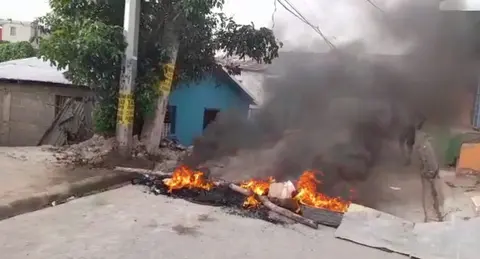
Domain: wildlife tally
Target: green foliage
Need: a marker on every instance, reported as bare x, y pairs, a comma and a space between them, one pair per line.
103, 115
87, 39
16, 50
90, 44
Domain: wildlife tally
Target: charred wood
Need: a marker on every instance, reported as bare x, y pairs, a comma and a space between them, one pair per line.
284, 212
141, 171
227, 193
323, 217
239, 189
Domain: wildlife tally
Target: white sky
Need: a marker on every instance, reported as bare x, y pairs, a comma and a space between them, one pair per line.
340, 20
23, 10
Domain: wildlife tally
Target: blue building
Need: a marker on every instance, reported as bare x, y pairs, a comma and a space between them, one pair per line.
194, 105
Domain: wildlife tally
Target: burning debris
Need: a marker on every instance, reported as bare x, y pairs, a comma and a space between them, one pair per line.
304, 193
183, 177
351, 105
254, 196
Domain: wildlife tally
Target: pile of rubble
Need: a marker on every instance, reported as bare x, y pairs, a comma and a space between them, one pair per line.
95, 150
92, 151
171, 153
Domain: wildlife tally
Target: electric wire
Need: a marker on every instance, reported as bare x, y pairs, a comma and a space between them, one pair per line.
288, 6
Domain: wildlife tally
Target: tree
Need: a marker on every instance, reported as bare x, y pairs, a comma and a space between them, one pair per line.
16, 50
86, 38
38, 32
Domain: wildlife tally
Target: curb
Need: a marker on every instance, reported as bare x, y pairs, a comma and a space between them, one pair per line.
61, 193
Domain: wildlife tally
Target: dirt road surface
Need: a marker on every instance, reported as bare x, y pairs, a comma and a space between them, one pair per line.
27, 170
128, 223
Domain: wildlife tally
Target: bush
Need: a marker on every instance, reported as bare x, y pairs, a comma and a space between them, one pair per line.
16, 50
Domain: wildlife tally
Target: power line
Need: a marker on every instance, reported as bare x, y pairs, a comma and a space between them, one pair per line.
273, 14
375, 5
302, 18
315, 28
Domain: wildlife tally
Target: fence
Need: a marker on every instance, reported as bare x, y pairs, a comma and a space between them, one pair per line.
72, 123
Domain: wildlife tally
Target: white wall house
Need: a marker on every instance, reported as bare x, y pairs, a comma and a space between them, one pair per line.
15, 31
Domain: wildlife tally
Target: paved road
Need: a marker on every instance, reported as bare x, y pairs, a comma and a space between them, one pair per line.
127, 223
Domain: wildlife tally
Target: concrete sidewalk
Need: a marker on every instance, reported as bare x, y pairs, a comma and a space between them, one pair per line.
32, 179
459, 192
128, 223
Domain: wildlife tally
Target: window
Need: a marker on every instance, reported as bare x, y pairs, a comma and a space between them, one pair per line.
169, 121
209, 116
13, 31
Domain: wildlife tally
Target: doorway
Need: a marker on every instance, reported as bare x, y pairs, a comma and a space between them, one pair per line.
209, 115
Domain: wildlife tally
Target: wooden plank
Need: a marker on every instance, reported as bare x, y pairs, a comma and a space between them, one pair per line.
287, 213
323, 217
88, 113
51, 134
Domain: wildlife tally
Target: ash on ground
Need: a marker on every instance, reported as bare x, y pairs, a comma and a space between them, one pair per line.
222, 196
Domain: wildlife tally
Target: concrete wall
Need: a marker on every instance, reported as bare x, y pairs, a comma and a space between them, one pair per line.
24, 31
27, 110
191, 101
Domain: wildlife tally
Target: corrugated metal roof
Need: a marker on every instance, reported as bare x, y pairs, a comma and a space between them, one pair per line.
32, 69
36, 70
244, 65
252, 84
251, 78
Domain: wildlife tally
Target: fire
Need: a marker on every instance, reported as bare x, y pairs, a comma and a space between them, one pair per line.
257, 187
184, 177
306, 189
307, 194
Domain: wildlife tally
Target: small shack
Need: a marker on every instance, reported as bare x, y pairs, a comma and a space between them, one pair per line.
40, 106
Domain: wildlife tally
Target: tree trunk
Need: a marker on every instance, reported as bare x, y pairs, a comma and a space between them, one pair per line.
152, 130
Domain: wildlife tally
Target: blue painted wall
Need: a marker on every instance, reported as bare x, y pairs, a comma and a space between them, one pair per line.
191, 100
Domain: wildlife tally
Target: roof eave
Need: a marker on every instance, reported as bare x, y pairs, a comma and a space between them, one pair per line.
239, 84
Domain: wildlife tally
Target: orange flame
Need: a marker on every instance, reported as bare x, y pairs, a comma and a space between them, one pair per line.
184, 177
257, 187
307, 194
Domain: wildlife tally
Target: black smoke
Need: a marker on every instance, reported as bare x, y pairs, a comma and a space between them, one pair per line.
339, 111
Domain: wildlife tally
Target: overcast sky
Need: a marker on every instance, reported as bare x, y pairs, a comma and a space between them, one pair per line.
340, 20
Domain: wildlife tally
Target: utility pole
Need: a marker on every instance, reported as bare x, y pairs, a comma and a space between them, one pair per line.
128, 75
